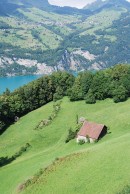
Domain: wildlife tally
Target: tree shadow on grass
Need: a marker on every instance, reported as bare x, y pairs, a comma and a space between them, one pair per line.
6, 160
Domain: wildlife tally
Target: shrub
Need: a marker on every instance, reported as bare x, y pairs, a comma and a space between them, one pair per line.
56, 97
45, 122
90, 98
72, 134
88, 139
59, 94
119, 94
77, 119
81, 142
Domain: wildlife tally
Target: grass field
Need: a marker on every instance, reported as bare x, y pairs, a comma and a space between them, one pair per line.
100, 21
101, 168
49, 27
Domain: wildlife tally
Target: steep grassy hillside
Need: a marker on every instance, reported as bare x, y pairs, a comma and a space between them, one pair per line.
99, 168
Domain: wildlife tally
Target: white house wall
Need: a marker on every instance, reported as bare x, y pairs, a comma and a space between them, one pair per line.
82, 138
85, 139
92, 140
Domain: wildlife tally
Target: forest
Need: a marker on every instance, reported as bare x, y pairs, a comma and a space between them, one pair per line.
89, 86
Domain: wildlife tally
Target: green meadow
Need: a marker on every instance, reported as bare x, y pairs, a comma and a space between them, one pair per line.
100, 168
100, 21
50, 28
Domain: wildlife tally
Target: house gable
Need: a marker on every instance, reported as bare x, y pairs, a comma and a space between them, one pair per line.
91, 130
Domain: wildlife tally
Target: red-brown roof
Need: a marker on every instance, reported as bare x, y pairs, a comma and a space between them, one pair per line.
90, 129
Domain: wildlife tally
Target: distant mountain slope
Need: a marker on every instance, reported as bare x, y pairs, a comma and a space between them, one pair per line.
39, 38
101, 4
31, 3
7, 8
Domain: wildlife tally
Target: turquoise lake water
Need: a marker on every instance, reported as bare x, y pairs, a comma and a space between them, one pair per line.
14, 82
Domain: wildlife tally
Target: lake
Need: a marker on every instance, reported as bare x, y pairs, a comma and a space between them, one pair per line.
14, 82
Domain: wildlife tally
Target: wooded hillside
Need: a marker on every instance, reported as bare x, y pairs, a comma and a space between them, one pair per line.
91, 86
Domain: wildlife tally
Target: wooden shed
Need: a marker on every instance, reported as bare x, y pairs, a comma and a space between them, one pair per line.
91, 132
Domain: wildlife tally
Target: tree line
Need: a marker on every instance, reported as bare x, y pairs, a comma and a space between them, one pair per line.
110, 83
89, 86
33, 96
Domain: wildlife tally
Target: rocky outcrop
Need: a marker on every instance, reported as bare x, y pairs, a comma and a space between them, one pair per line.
75, 61
78, 60
14, 66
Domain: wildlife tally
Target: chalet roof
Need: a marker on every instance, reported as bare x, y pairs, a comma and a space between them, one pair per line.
90, 129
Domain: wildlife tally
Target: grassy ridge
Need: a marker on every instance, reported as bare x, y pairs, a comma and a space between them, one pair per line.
97, 170
102, 168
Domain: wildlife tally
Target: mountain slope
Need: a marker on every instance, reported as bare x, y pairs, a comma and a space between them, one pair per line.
39, 38
106, 162
101, 4
92, 171
7, 8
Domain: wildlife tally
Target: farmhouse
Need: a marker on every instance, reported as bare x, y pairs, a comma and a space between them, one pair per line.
91, 132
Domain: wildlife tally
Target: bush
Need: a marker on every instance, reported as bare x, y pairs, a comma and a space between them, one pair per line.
57, 96
90, 98
81, 142
119, 94
45, 122
71, 135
